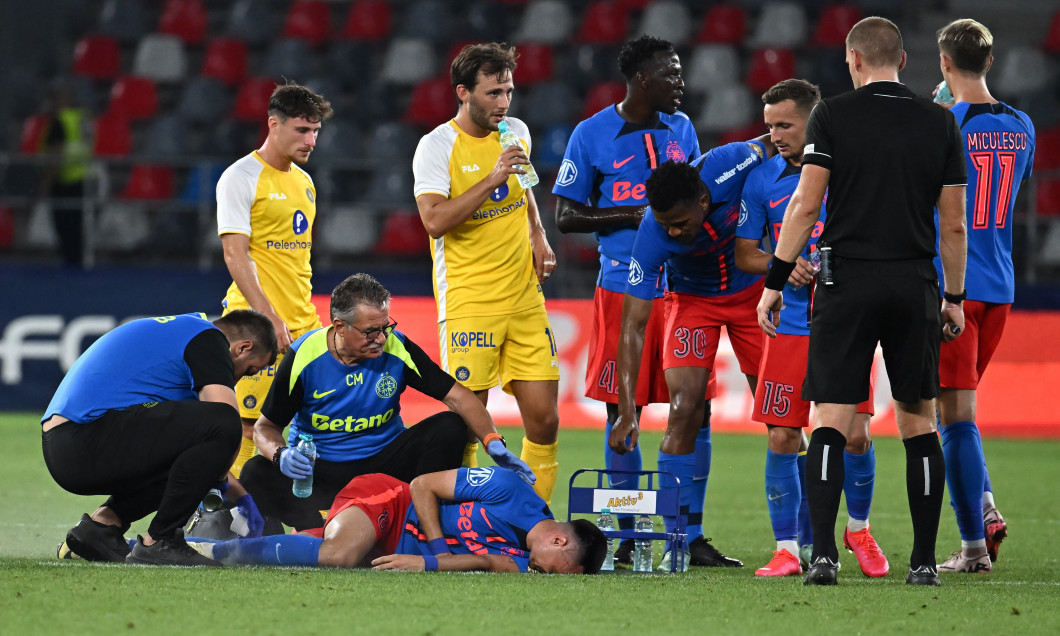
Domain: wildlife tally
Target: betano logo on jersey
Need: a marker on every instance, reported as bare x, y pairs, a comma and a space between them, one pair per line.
622, 190
350, 423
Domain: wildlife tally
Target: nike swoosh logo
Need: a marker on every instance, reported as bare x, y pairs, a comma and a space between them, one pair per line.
619, 164
864, 484
774, 204
318, 394
775, 497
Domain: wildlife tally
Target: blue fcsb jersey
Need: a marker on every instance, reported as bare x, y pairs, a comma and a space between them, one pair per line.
606, 164
765, 198
139, 362
999, 153
492, 511
707, 266
352, 411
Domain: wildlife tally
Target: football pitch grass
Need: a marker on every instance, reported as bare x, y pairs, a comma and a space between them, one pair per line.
41, 595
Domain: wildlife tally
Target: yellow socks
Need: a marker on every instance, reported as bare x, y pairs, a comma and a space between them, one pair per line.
246, 451
470, 455
542, 460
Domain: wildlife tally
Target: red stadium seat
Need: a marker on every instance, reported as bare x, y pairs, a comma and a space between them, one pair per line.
750, 131
185, 19
635, 5
149, 182
1048, 198
134, 97
403, 235
309, 20
769, 66
431, 102
1047, 150
834, 24
252, 100
226, 59
601, 96
98, 57
603, 23
535, 63
32, 135
1052, 39
367, 20
113, 136
723, 23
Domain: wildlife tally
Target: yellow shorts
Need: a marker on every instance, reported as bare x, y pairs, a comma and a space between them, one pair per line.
481, 352
251, 390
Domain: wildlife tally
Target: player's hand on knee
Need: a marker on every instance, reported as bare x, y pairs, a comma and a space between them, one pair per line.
505, 459
249, 510
294, 464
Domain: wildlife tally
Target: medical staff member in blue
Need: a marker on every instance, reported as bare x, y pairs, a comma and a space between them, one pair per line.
342, 384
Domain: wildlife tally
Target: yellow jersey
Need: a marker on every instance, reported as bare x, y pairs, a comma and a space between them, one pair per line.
484, 266
276, 210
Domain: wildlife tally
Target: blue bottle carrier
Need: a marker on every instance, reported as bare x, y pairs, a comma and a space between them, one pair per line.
653, 501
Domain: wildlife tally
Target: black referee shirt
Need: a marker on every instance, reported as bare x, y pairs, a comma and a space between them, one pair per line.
890, 153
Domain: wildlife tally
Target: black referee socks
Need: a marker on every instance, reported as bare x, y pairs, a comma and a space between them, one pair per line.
925, 474
824, 487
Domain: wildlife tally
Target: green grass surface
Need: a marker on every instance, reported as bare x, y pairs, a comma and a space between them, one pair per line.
41, 595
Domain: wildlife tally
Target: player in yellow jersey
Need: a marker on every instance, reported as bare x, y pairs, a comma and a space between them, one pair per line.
266, 206
490, 253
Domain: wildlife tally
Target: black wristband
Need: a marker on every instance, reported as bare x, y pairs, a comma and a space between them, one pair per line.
276, 456
955, 299
778, 274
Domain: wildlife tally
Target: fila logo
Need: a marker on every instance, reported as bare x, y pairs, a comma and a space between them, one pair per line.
277, 195
472, 168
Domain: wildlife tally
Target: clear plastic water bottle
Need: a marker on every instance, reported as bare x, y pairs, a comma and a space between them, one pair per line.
304, 487
606, 522
943, 94
508, 138
642, 558
815, 261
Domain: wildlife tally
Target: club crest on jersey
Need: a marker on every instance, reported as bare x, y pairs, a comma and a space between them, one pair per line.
250, 402
674, 152
462, 374
500, 193
636, 273
300, 222
309, 195
386, 386
383, 521
567, 174
478, 476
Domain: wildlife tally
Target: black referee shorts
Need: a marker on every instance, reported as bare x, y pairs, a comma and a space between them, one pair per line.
893, 303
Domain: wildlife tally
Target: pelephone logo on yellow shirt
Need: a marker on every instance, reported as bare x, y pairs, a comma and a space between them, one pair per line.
498, 195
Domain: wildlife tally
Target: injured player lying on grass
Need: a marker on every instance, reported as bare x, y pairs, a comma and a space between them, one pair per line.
457, 520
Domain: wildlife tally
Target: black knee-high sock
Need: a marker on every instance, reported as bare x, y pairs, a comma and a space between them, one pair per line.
824, 487
925, 475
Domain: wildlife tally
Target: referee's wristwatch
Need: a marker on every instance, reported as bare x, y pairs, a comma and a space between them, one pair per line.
955, 299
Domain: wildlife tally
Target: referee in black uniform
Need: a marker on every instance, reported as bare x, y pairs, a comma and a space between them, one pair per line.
886, 157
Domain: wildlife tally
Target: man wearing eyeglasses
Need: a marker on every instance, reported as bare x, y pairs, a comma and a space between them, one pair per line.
342, 384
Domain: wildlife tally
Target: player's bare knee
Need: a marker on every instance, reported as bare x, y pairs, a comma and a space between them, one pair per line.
784, 439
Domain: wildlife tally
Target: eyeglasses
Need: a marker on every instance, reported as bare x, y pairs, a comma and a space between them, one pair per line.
370, 334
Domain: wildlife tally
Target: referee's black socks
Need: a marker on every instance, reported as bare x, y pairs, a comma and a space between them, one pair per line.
925, 474
824, 487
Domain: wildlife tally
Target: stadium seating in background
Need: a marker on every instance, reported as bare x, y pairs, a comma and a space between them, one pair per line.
290, 58
549, 146
168, 137
160, 57
727, 108
149, 182
432, 102
308, 20
545, 104
535, 63
769, 66
834, 23
347, 61
603, 23
339, 139
1051, 44
780, 25
225, 59
712, 66
392, 143
124, 20
97, 57
602, 95
367, 20
1023, 70
667, 19
253, 21
426, 19
545, 22
113, 136
1048, 197
408, 61
202, 183
723, 24
754, 129
185, 19
252, 100
403, 235
134, 97
351, 229
32, 134
1047, 150
205, 99
390, 185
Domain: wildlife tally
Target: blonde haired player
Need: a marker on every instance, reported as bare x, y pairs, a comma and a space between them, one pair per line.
490, 253
266, 206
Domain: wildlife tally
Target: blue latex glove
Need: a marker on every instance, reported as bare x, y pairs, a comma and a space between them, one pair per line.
294, 464
249, 509
505, 459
